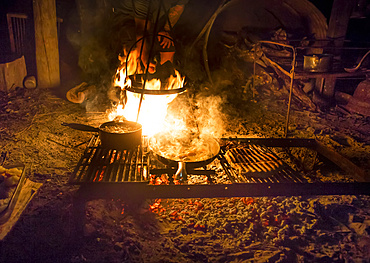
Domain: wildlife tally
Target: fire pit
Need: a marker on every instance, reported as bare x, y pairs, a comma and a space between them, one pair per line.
138, 175
185, 151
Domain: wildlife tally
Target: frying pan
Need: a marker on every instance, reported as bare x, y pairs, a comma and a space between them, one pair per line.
196, 160
112, 139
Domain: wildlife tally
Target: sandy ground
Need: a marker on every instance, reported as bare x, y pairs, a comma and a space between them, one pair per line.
265, 229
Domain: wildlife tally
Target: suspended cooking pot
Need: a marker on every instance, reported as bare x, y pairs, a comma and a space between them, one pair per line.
137, 86
183, 153
119, 135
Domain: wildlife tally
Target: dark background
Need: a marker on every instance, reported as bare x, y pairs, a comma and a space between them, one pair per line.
196, 14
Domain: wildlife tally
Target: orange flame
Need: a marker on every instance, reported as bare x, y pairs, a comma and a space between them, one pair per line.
153, 109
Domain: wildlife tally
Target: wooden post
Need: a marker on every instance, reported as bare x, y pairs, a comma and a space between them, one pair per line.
87, 18
46, 42
338, 24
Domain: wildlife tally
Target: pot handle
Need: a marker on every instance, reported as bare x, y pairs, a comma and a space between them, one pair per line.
81, 127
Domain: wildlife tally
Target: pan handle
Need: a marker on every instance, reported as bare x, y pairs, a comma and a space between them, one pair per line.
81, 127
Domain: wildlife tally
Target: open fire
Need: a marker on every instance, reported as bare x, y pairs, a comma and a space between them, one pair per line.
150, 110
179, 134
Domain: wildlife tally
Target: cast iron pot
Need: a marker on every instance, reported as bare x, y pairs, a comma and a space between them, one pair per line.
114, 140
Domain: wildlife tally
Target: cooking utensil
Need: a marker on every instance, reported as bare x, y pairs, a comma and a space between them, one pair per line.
198, 159
318, 62
114, 135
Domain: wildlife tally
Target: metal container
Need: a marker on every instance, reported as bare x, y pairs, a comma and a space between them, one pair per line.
318, 63
114, 140
121, 140
29, 82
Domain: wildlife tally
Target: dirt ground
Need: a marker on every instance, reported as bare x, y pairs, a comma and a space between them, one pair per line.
265, 229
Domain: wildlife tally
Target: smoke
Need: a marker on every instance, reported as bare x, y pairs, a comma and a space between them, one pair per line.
209, 115
190, 125
200, 115
101, 98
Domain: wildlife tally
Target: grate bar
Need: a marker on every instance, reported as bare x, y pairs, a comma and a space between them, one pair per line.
92, 168
100, 165
252, 155
137, 170
83, 163
110, 159
107, 165
116, 167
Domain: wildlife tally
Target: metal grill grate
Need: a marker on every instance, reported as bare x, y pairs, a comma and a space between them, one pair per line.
254, 154
107, 165
99, 165
106, 173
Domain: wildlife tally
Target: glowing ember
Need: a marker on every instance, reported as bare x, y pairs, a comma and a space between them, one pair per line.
153, 108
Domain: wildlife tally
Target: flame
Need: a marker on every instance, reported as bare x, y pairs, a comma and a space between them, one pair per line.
153, 110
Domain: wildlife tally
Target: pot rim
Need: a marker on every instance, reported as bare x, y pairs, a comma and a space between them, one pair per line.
111, 123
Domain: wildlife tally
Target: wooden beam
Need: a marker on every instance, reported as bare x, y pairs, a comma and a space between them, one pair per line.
46, 42
340, 14
338, 24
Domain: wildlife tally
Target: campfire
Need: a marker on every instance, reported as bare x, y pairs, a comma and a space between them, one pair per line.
139, 105
177, 141
200, 182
